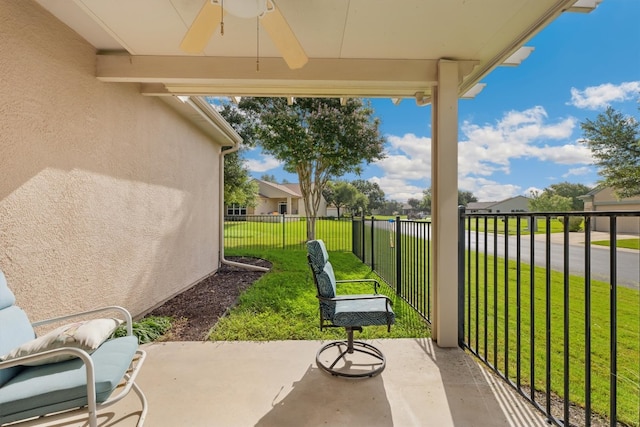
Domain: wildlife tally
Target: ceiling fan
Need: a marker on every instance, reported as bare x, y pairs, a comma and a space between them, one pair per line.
211, 16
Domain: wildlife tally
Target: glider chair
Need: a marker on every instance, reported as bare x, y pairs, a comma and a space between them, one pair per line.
74, 367
355, 359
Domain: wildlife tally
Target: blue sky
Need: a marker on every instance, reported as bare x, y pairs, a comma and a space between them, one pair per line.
521, 132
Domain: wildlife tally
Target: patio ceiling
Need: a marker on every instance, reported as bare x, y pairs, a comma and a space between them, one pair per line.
356, 48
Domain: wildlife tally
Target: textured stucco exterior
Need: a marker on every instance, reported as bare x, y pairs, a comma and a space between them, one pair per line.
603, 199
107, 197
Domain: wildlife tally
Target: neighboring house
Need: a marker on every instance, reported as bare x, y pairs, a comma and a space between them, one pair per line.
277, 199
512, 204
107, 196
603, 199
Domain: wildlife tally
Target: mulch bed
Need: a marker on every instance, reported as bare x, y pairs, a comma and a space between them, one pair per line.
197, 309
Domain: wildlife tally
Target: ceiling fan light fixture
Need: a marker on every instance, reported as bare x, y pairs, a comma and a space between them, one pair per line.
245, 8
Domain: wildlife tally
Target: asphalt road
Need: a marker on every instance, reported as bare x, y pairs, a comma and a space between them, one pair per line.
627, 261
627, 266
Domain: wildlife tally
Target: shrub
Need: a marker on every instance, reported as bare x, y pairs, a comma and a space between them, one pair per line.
575, 223
148, 329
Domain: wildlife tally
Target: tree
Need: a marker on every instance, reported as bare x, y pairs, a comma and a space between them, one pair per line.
391, 207
548, 202
316, 138
572, 191
373, 192
340, 194
359, 203
425, 203
239, 188
414, 203
614, 141
269, 178
466, 197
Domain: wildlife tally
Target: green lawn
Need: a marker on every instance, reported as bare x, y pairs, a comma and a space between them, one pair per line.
621, 243
506, 339
282, 304
292, 233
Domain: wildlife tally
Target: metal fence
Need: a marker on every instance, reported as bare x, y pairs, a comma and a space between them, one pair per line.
557, 317
284, 232
399, 251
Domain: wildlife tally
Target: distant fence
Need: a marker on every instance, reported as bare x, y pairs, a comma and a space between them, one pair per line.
399, 251
285, 232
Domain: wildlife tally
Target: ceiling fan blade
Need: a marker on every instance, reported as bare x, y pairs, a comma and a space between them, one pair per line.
202, 28
284, 39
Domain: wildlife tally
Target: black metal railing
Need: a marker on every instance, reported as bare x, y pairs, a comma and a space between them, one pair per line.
399, 251
285, 232
557, 317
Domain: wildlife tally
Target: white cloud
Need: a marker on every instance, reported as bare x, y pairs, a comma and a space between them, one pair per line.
483, 151
487, 149
263, 164
584, 170
487, 190
534, 190
408, 157
596, 97
398, 189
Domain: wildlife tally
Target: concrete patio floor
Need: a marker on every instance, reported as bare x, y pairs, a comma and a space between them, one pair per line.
277, 383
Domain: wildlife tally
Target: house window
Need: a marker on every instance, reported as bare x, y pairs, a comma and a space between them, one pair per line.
236, 209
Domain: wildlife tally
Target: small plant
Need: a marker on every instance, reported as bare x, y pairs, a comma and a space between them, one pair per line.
148, 329
575, 223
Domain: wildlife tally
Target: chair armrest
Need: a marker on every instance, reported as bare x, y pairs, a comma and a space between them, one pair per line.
34, 357
376, 284
122, 310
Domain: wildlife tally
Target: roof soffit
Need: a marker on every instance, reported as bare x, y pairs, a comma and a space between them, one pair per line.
368, 48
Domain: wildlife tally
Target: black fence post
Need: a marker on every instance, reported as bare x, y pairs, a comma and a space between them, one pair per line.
373, 267
398, 257
613, 321
363, 244
284, 239
461, 296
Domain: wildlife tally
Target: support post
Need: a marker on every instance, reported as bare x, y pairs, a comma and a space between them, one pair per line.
444, 179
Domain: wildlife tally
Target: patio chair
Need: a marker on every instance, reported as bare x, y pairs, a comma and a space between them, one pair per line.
75, 367
351, 312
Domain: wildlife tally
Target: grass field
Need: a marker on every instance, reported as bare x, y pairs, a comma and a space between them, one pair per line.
621, 243
526, 306
282, 304
272, 232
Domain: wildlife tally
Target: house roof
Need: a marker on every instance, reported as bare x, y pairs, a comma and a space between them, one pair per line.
487, 205
356, 48
480, 205
287, 190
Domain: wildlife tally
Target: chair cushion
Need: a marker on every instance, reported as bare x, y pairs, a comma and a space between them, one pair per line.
326, 282
7, 299
362, 312
87, 335
39, 390
318, 255
15, 330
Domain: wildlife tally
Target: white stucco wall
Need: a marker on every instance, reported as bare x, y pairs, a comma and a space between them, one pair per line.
106, 196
